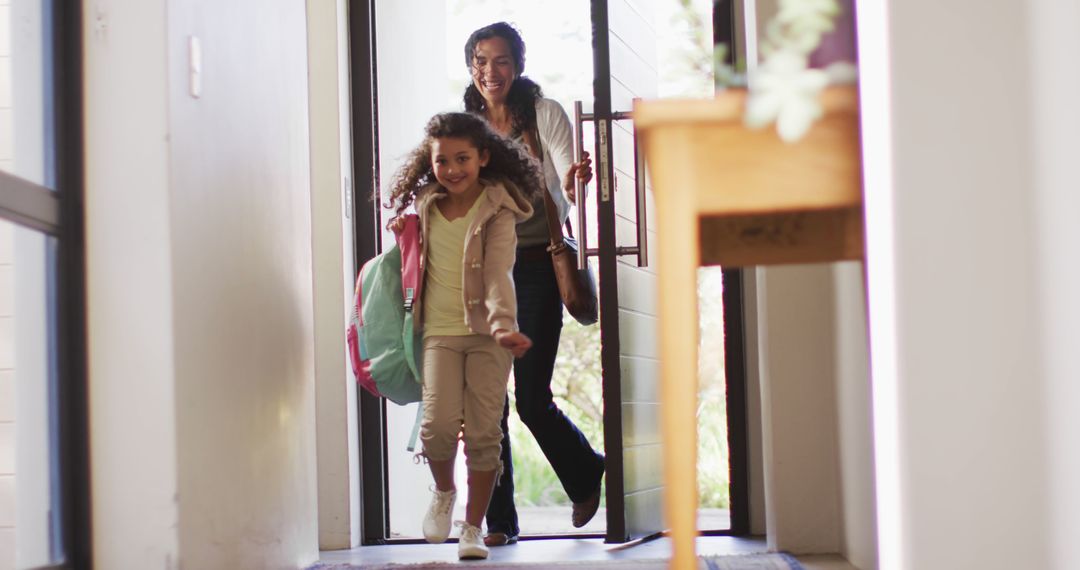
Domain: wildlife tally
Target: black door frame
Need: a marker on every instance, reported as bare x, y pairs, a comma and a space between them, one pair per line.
375, 524
724, 23
374, 474
607, 265
733, 302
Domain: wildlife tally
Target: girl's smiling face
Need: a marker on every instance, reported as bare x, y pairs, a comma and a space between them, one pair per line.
493, 69
457, 163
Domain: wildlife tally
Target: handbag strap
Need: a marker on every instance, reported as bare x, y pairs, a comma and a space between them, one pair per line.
554, 232
550, 210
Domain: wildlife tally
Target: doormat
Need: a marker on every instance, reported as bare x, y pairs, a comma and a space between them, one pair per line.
770, 561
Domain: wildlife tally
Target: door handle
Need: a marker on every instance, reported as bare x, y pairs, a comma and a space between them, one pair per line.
579, 186
641, 249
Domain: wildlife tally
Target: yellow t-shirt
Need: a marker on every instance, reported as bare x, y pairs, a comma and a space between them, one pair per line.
444, 310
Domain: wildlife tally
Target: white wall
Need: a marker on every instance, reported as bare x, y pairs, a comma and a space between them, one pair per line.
984, 281
240, 214
796, 321
754, 429
1054, 29
815, 397
858, 508
332, 257
199, 286
807, 344
133, 432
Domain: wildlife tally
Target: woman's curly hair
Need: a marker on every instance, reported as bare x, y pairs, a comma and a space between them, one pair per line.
508, 161
521, 99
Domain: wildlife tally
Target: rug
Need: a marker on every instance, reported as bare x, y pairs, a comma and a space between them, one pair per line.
771, 561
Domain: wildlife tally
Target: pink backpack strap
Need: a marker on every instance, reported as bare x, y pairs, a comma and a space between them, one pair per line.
409, 242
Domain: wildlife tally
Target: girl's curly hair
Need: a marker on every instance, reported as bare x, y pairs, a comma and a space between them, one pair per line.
508, 161
521, 99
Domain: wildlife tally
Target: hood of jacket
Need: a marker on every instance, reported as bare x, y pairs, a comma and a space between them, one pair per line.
500, 193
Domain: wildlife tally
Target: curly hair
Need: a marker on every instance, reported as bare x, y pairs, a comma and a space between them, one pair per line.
521, 99
508, 161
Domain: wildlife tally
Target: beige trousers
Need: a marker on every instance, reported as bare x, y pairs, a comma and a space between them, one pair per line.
465, 381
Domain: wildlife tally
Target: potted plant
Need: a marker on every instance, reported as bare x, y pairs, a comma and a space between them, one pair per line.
787, 194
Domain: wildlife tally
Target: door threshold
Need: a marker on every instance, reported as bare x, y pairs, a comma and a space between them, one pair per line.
539, 551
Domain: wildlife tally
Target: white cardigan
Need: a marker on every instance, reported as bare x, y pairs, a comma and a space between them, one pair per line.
557, 140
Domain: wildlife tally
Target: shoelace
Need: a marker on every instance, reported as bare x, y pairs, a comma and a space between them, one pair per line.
442, 502
468, 529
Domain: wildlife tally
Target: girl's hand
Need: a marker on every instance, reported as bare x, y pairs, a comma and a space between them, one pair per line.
517, 343
581, 170
398, 224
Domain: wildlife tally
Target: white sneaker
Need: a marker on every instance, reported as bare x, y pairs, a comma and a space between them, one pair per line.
470, 544
437, 520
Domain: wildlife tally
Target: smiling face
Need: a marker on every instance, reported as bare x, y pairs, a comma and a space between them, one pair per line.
493, 69
457, 163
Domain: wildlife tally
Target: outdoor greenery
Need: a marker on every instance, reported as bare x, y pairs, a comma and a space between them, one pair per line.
578, 392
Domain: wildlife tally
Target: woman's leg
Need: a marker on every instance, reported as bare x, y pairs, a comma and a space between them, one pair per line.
540, 314
501, 514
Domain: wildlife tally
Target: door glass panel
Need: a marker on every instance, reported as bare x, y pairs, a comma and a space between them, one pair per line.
686, 70
714, 510
559, 57
29, 471
22, 100
29, 514
684, 49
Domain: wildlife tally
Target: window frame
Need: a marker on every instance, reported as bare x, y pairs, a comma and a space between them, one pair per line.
55, 209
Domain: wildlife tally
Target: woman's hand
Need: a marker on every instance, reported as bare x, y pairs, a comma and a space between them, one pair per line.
517, 343
581, 170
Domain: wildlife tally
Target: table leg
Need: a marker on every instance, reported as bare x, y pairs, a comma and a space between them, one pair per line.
677, 263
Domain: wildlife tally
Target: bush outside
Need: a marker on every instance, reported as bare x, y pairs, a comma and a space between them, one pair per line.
578, 393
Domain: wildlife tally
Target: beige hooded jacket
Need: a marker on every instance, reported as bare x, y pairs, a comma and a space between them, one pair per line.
489, 254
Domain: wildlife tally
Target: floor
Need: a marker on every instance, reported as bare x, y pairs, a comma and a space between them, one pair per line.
556, 520
584, 549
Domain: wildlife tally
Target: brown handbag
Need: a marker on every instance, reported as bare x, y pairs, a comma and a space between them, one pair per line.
576, 286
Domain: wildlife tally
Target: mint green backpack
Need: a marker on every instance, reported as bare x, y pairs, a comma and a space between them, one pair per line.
384, 345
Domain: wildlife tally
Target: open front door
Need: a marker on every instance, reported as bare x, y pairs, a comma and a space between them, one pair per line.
624, 55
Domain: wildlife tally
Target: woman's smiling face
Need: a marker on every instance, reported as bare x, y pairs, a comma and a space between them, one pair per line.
457, 163
493, 69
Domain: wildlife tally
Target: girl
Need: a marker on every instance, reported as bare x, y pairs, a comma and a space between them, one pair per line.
469, 187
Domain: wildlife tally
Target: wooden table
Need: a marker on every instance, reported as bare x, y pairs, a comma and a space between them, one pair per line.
744, 197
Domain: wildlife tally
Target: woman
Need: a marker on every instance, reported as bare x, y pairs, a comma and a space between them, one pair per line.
515, 106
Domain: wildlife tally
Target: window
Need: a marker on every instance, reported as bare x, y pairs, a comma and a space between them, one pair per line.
44, 515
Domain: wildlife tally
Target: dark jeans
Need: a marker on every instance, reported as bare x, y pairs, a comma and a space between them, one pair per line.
578, 467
